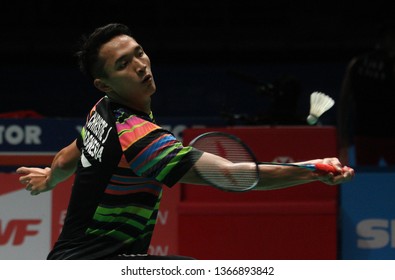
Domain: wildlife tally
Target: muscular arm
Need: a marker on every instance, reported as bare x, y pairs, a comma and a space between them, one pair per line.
271, 176
64, 164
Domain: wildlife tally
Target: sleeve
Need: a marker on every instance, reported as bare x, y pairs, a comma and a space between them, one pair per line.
80, 139
81, 135
153, 152
188, 160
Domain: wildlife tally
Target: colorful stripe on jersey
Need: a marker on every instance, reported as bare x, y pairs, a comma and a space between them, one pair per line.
139, 128
125, 223
149, 151
125, 185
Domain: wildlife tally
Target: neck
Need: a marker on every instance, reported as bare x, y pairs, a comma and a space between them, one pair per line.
144, 107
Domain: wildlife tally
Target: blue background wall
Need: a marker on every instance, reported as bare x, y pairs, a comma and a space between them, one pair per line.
367, 216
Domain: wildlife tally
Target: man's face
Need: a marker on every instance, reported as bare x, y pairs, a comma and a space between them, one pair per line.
127, 70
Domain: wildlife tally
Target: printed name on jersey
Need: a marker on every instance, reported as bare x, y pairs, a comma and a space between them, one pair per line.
95, 130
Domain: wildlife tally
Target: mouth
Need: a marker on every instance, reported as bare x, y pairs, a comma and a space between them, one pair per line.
146, 79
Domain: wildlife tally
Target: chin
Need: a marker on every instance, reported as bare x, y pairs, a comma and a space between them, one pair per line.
153, 89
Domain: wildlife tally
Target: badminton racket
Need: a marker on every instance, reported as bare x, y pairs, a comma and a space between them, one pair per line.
238, 178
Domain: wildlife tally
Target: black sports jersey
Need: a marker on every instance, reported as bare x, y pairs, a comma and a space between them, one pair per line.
125, 160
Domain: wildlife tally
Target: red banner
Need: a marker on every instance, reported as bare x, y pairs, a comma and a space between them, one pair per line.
294, 223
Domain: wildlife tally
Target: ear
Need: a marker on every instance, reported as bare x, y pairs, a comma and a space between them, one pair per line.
102, 86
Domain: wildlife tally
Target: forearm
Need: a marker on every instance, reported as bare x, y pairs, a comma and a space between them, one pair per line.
60, 170
279, 176
63, 165
272, 177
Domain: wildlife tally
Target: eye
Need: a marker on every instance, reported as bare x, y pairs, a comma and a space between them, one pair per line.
140, 51
123, 64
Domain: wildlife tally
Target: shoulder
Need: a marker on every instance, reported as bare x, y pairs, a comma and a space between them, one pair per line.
124, 117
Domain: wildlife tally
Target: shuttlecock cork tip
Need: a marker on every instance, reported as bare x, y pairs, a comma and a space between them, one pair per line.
311, 120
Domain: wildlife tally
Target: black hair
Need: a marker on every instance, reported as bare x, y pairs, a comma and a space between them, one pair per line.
89, 51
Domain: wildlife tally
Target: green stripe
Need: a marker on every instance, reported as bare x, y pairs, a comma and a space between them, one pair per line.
153, 221
173, 163
111, 219
113, 233
132, 128
145, 234
121, 117
83, 132
124, 119
158, 158
158, 201
129, 209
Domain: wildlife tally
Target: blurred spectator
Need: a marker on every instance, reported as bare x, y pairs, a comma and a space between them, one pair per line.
365, 112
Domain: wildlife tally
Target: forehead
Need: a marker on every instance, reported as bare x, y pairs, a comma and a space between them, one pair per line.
117, 47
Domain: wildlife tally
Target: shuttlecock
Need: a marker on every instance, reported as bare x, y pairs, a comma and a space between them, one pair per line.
319, 104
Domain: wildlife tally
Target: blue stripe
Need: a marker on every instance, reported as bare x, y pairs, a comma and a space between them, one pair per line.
152, 149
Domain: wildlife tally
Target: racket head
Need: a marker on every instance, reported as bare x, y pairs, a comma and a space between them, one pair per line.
241, 177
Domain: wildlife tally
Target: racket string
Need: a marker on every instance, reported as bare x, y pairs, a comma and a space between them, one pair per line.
232, 178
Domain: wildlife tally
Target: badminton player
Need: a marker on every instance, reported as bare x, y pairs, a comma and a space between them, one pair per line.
122, 159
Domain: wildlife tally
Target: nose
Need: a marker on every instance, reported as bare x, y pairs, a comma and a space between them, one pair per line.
141, 66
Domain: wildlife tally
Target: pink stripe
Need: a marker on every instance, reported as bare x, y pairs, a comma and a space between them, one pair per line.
130, 137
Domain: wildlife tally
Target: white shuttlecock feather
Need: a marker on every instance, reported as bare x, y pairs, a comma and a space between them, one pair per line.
319, 104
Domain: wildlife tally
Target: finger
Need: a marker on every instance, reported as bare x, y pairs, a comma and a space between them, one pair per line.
32, 176
339, 168
22, 170
328, 178
29, 187
31, 170
336, 163
24, 179
35, 192
344, 177
350, 173
350, 170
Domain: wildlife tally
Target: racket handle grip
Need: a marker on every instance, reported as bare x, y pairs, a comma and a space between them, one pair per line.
326, 168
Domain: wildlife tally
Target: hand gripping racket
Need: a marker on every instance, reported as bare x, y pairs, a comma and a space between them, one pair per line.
243, 175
